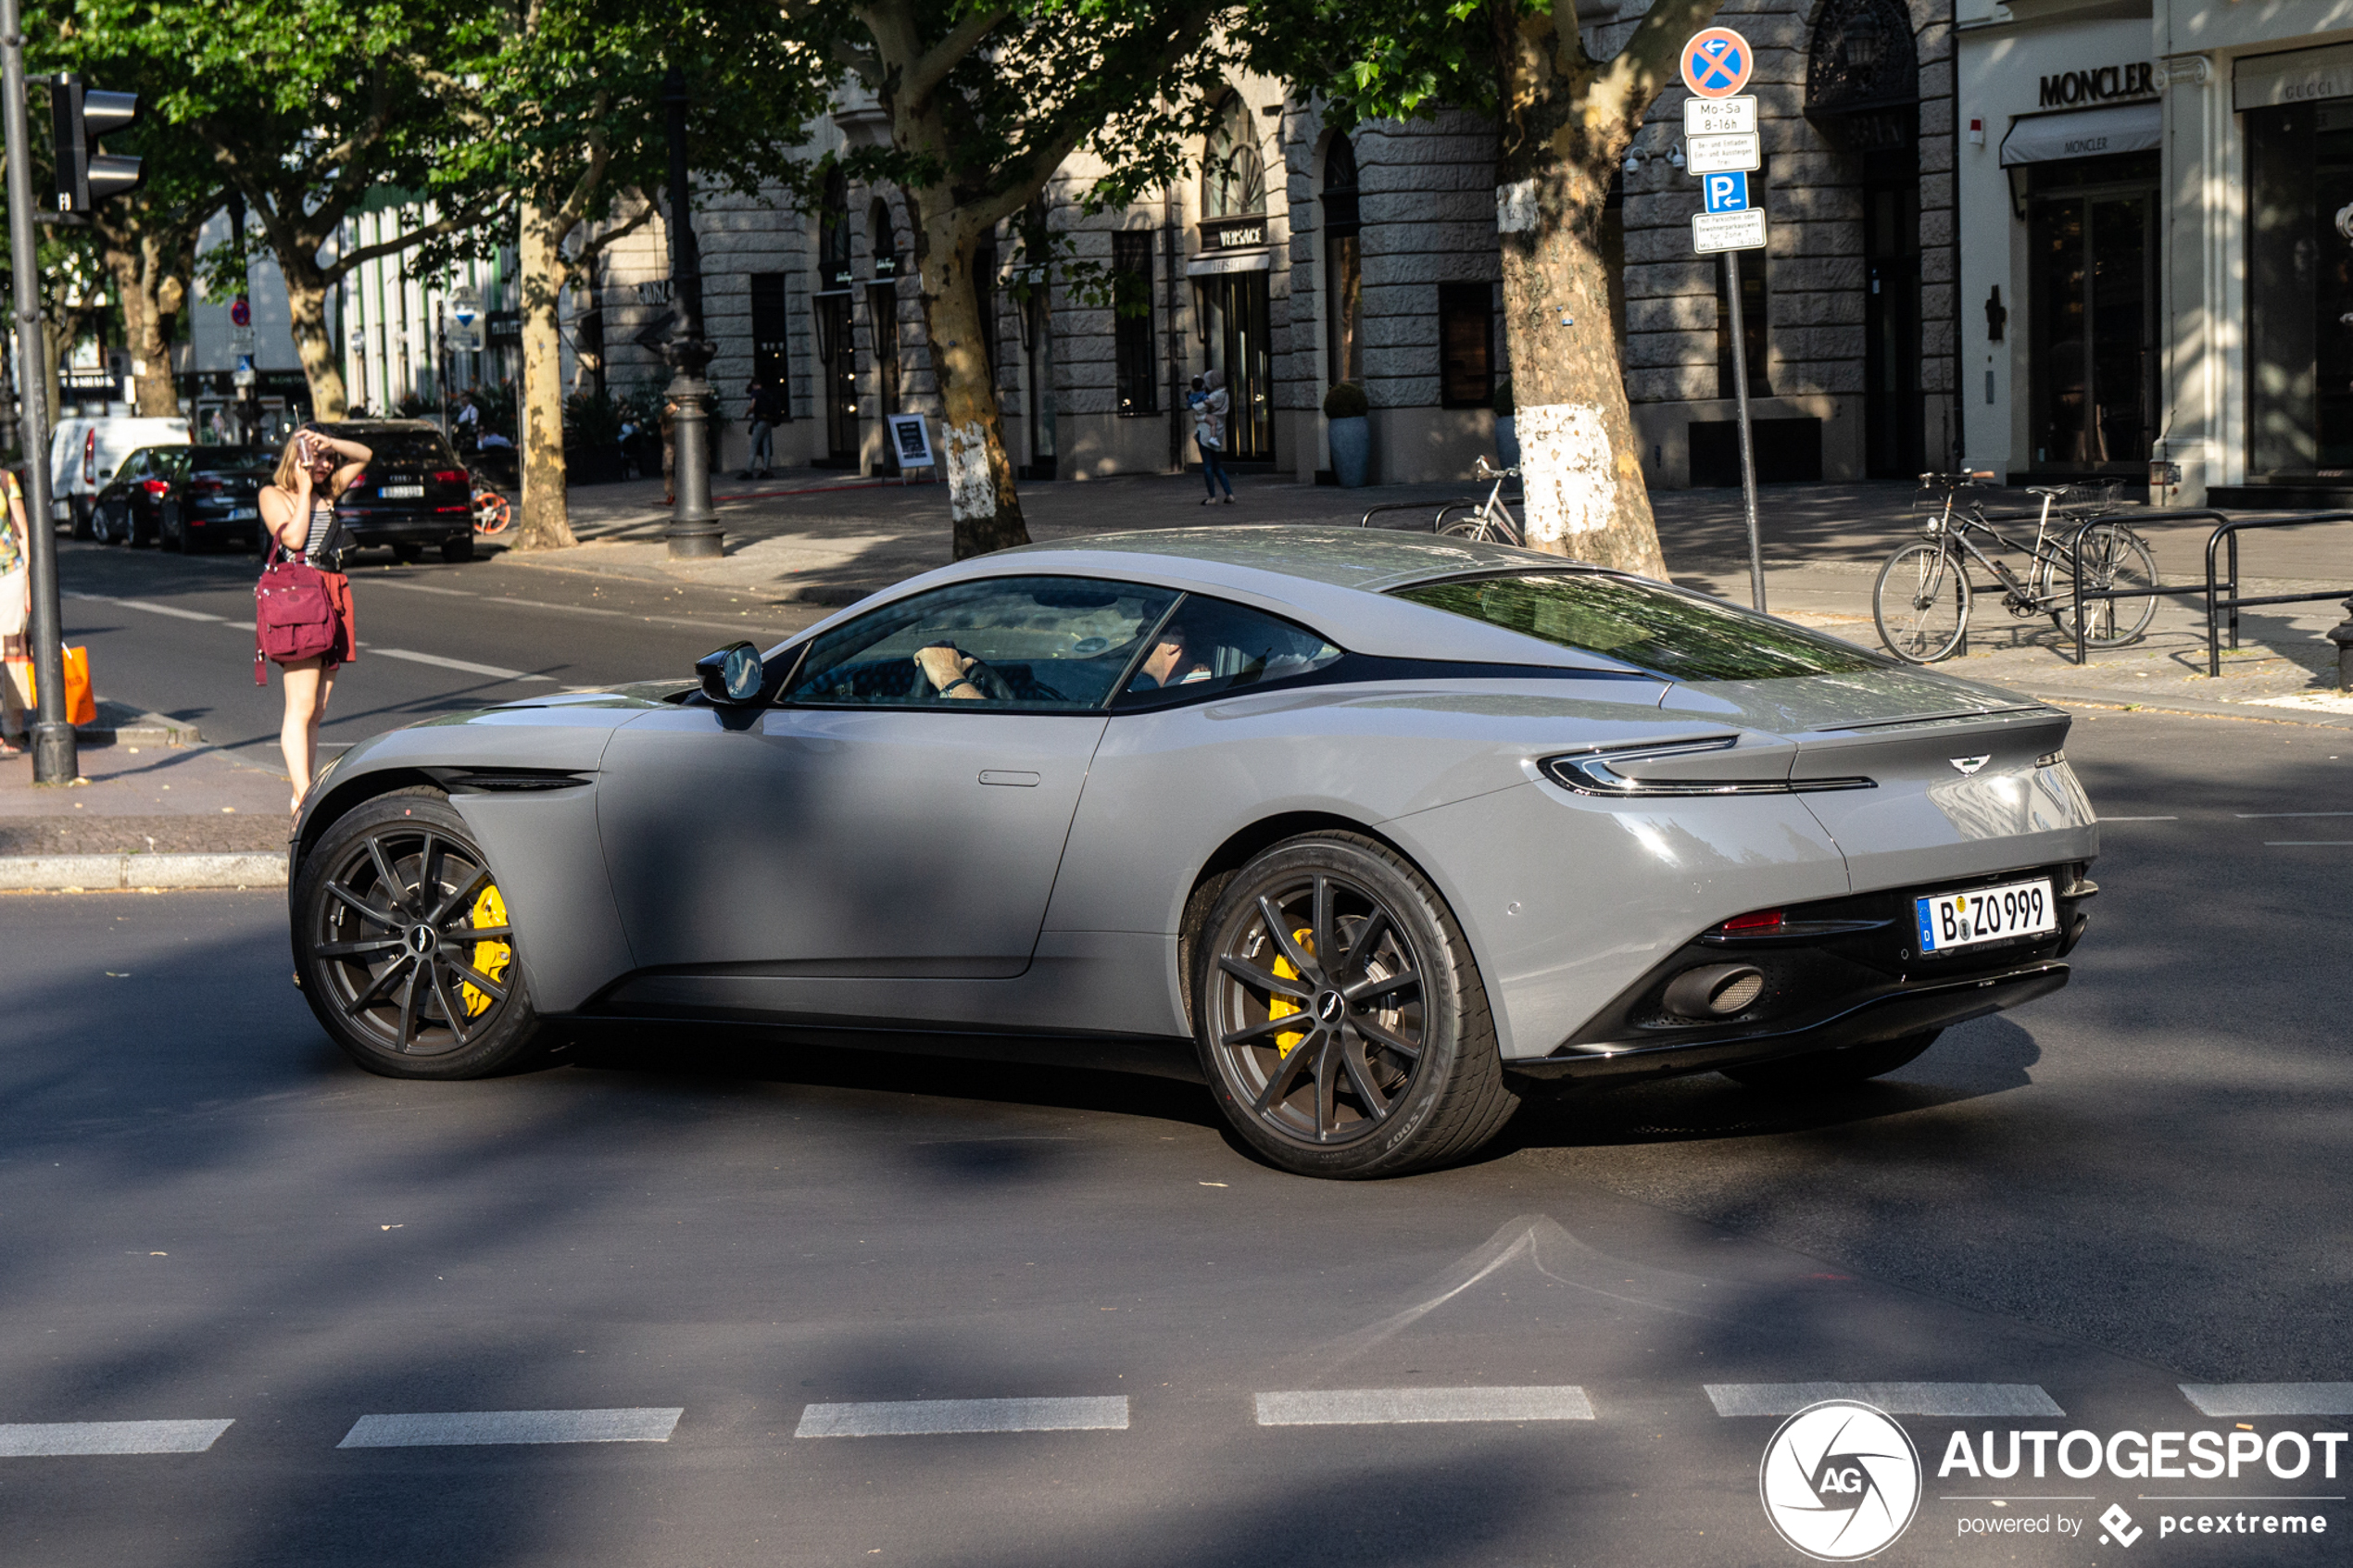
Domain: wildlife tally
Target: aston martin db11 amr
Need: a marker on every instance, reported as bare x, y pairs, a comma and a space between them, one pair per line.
1376, 835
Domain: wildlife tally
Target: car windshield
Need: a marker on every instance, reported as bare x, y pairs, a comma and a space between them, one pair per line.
1646, 624
413, 447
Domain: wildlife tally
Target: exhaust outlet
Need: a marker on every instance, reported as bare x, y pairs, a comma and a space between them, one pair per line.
1716, 990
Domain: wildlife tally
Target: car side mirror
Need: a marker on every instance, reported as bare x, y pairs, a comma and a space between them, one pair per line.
733, 676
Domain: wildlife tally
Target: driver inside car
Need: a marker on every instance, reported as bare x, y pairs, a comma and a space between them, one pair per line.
957, 676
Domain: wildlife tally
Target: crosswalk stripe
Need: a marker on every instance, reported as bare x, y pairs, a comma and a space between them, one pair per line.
495, 671
56, 1438
1381, 1407
1896, 1398
461, 1428
915, 1418
2271, 1398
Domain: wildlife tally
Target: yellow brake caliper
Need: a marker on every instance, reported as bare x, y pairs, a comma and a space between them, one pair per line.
1283, 1006
490, 957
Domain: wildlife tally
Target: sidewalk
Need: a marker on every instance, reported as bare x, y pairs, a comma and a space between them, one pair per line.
145, 814
814, 536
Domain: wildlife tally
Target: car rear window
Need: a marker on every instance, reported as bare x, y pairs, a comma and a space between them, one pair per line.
215, 459
1647, 625
415, 447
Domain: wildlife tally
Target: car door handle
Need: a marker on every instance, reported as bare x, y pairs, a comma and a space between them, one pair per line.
1005, 776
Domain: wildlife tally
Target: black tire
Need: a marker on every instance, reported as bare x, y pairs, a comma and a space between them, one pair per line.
2114, 558
78, 508
171, 528
102, 526
1362, 1090
387, 995
1922, 601
1835, 1070
407, 555
461, 548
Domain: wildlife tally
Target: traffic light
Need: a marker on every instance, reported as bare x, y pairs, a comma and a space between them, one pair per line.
86, 176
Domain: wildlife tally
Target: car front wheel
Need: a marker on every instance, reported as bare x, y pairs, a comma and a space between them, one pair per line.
1340, 1017
1835, 1070
403, 945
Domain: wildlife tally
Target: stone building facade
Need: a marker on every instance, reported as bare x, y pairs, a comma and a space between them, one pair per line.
1298, 257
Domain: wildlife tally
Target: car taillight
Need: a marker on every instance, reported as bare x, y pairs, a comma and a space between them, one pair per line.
449, 476
1759, 920
155, 486
90, 459
207, 484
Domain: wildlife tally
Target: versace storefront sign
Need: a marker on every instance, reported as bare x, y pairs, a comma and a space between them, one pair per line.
1233, 233
2100, 85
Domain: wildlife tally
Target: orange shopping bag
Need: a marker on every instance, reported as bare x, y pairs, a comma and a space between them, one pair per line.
81, 707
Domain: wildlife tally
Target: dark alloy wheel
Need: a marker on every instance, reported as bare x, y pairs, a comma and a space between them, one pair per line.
1340, 1016
1835, 1070
403, 945
171, 531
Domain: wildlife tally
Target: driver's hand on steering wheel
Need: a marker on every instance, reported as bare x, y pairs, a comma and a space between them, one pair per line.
949, 670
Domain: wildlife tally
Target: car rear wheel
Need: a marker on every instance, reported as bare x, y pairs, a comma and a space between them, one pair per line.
403, 945
458, 549
172, 529
1832, 1069
1340, 1017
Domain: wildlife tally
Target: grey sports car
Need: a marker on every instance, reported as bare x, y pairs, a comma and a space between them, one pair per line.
1375, 834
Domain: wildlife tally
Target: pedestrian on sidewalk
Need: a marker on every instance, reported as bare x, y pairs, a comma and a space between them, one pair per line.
1209, 432
668, 451
298, 508
16, 607
764, 416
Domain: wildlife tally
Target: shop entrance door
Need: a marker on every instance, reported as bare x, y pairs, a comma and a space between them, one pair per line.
1240, 345
2299, 297
1892, 410
2092, 299
838, 380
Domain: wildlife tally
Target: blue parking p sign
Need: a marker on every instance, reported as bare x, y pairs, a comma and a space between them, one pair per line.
1726, 193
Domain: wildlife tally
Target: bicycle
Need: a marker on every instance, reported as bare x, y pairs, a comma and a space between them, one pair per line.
1491, 522
1922, 599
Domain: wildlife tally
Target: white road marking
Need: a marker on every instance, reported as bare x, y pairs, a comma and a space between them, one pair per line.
2305, 843
1896, 1398
493, 670
2271, 1398
419, 587
67, 1438
1381, 1407
2140, 819
914, 1418
2252, 816
463, 1428
148, 605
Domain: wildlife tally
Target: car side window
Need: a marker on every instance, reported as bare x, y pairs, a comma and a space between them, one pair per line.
1208, 646
1029, 642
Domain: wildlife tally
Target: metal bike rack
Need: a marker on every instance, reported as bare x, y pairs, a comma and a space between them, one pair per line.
2226, 530
1366, 521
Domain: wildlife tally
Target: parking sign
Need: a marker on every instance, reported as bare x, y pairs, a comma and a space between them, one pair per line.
1716, 62
1727, 191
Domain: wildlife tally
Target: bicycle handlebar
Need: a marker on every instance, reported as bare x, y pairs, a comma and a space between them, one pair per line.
1483, 471
1954, 481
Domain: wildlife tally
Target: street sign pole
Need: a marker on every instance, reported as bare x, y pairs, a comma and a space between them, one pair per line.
55, 753
1748, 447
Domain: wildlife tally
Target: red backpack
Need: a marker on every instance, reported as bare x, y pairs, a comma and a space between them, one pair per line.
293, 617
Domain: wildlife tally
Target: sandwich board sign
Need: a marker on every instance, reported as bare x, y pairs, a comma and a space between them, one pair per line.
910, 443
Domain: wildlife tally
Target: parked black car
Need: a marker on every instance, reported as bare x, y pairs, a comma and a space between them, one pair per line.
183, 497
415, 492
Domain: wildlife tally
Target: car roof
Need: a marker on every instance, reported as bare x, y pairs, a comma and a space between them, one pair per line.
387, 427
1335, 580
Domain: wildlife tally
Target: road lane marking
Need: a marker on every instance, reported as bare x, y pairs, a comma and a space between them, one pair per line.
493, 670
2140, 819
2252, 816
2270, 1398
60, 1439
1896, 1399
419, 587
1382, 1407
917, 1418
2305, 843
149, 605
466, 1428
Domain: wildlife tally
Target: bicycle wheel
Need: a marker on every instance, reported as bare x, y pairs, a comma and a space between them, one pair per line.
492, 515
1482, 525
2114, 558
1921, 603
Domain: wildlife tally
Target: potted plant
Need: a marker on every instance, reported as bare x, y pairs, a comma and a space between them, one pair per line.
1506, 432
1352, 432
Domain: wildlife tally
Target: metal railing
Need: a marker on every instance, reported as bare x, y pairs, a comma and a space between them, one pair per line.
2226, 532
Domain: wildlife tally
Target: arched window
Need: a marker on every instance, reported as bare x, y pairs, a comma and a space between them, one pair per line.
1233, 180
884, 238
882, 305
1343, 265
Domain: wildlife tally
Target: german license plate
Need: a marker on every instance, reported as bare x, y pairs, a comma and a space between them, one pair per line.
402, 492
1985, 915
244, 514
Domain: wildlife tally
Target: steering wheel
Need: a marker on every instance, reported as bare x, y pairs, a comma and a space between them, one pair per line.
991, 685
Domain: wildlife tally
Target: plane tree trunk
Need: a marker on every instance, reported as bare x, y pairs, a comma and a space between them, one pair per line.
547, 517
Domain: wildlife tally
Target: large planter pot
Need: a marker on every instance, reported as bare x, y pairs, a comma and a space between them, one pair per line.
1352, 450
1506, 442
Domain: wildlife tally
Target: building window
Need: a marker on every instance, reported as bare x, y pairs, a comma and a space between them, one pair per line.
1131, 266
2300, 291
1343, 266
1233, 180
833, 235
1466, 345
1753, 336
769, 364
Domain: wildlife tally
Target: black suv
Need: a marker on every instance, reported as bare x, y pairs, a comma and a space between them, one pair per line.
414, 491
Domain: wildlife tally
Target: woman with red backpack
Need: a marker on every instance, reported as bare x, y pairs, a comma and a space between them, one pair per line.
298, 509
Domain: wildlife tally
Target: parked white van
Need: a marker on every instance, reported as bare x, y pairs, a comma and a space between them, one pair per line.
84, 454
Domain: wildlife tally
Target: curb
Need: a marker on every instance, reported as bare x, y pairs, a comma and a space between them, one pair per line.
92, 874
120, 724
2109, 696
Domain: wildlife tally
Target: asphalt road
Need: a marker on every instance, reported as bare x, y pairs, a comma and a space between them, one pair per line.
173, 634
713, 1247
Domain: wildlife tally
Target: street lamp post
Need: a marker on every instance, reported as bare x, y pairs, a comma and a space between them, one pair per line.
55, 753
694, 530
